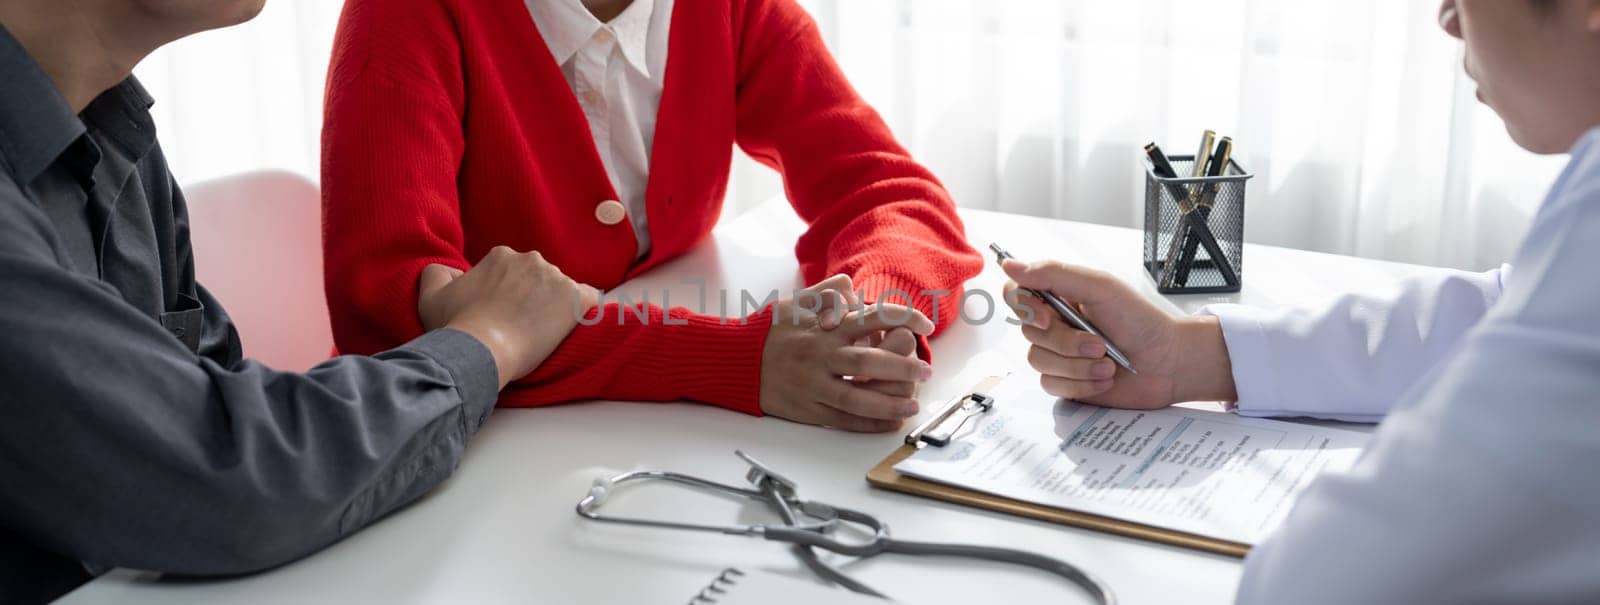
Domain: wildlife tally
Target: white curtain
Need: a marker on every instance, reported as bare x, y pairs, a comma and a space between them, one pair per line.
1354, 116
245, 98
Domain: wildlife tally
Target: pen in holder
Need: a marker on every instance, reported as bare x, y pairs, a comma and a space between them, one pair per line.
1194, 228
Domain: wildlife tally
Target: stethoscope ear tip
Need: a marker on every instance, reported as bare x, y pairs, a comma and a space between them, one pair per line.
600, 489
598, 492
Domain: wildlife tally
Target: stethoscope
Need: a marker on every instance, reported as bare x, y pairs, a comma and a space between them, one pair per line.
807, 524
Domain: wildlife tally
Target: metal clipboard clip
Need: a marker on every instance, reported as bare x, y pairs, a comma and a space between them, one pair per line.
940, 429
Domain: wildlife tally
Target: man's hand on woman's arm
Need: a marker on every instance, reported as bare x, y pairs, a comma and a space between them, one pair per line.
517, 304
1178, 358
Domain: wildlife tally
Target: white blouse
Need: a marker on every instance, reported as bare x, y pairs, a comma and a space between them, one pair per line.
616, 71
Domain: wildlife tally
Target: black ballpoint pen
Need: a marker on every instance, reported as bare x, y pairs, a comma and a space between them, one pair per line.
1066, 312
1218, 166
1186, 205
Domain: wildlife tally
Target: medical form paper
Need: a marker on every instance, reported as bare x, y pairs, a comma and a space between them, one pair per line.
1207, 473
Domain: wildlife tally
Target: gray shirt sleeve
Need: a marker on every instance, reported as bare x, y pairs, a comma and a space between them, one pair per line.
122, 448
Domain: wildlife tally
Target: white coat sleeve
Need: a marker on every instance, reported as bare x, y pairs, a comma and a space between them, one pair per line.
1481, 486
1351, 359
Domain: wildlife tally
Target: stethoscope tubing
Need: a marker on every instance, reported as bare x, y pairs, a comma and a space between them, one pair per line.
1072, 573
806, 536
808, 554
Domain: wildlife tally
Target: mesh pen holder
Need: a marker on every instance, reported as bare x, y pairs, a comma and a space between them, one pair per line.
1180, 258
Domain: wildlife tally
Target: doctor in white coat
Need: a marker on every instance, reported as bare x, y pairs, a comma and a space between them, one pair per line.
1482, 483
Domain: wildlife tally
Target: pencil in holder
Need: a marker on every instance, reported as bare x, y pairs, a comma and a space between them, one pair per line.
1194, 229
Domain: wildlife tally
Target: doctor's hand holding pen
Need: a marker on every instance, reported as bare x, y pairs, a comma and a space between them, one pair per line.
833, 362
1179, 358
516, 303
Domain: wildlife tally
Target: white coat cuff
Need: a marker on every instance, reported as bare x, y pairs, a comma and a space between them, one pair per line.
1254, 378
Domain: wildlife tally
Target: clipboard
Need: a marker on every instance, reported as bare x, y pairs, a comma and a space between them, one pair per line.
941, 428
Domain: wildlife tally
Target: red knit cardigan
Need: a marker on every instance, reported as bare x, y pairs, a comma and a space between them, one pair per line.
449, 129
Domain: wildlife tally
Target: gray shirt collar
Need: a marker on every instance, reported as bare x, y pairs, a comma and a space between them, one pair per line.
37, 125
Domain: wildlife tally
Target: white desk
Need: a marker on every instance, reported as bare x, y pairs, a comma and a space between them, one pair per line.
503, 529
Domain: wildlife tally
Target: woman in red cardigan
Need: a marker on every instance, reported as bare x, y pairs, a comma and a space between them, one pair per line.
453, 126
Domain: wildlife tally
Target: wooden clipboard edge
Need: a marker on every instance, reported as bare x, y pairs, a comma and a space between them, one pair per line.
885, 477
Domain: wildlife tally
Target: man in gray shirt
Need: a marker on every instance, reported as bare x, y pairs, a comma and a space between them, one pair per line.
132, 431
